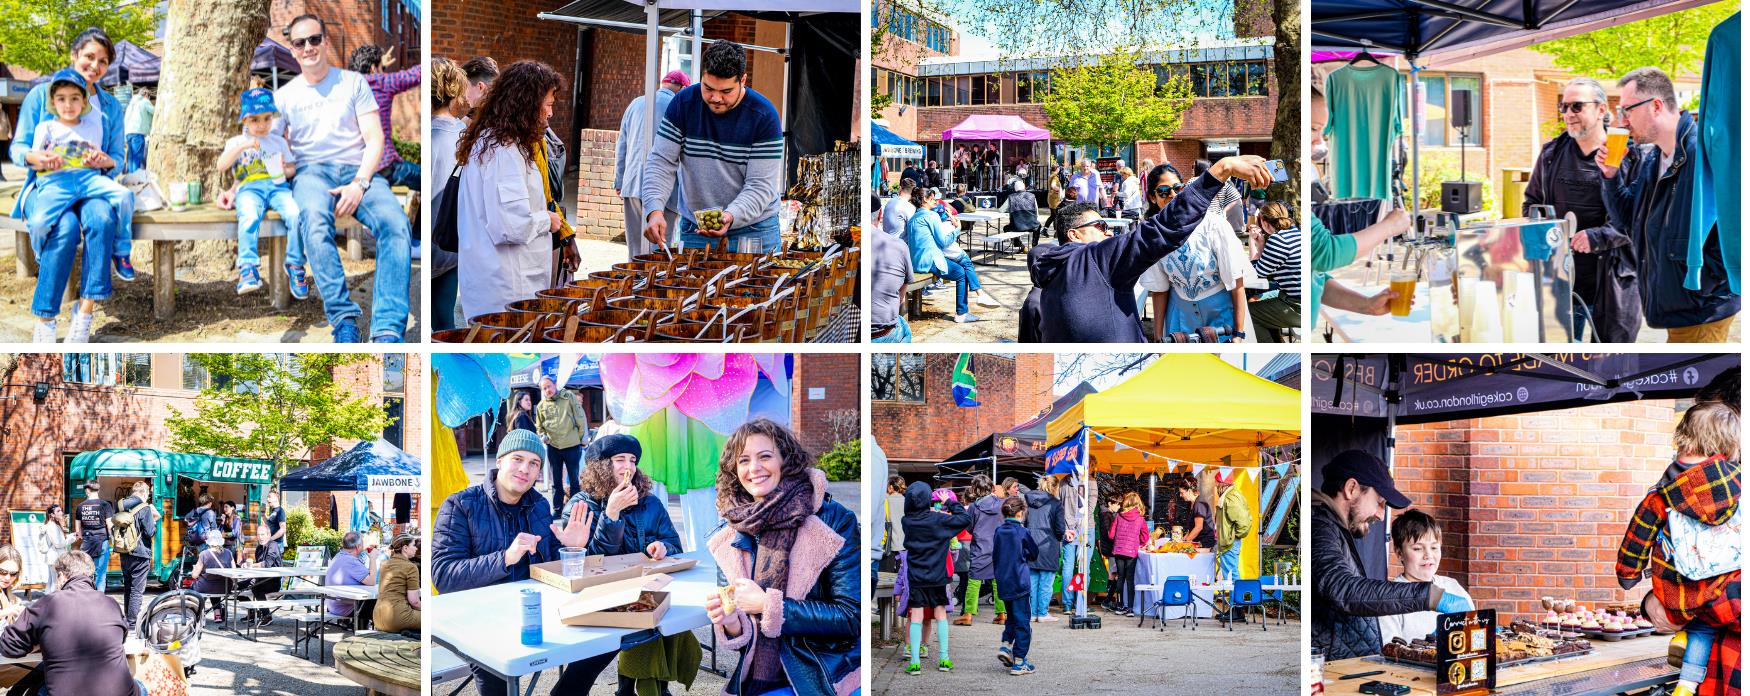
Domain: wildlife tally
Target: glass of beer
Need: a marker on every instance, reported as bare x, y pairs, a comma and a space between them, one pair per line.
1403, 282
1615, 146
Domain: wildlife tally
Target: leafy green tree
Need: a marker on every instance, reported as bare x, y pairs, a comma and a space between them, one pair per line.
1114, 102
275, 407
38, 34
1674, 43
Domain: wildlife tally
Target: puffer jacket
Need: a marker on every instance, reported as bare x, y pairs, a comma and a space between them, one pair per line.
474, 528
1347, 604
1657, 211
987, 515
644, 522
816, 620
1129, 533
1046, 525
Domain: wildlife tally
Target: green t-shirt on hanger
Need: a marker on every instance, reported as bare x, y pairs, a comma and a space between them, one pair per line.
1366, 118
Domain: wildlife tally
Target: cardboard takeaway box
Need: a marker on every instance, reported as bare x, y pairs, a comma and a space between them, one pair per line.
591, 606
604, 569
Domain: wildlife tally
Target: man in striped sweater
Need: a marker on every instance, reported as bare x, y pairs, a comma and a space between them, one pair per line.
728, 143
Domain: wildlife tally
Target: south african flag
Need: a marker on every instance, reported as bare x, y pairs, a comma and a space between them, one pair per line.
965, 385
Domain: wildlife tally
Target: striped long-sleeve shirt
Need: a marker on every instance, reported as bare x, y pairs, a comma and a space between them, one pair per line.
384, 87
733, 161
1280, 261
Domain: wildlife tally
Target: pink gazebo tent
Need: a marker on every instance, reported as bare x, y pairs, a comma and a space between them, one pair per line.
992, 127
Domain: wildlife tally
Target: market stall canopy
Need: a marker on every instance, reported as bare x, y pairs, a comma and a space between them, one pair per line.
995, 127
623, 15
375, 467
1449, 31
270, 56
132, 64
149, 463
1022, 445
1441, 387
1191, 407
889, 144
587, 373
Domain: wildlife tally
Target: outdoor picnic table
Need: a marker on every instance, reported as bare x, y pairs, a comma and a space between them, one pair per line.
1611, 668
238, 589
204, 222
383, 663
484, 625
994, 242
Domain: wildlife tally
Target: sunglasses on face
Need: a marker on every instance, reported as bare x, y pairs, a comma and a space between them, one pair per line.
1572, 107
1169, 189
1101, 224
8, 573
312, 40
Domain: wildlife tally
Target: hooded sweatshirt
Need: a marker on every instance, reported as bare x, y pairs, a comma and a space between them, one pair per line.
1129, 533
1046, 526
1087, 290
927, 534
987, 514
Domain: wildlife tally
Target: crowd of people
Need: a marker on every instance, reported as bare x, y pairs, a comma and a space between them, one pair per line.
310, 150
1694, 578
1026, 546
1641, 254
1184, 246
793, 616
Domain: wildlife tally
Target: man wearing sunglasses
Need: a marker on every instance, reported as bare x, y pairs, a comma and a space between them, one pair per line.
329, 118
1086, 282
1566, 177
1682, 282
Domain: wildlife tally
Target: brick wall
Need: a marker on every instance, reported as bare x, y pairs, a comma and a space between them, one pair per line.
836, 416
1010, 391
1536, 504
508, 31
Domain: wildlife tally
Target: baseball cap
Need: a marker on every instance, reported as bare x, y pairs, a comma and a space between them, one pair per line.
255, 101
677, 77
1369, 471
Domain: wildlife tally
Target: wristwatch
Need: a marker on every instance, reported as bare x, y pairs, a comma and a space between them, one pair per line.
364, 184
1238, 335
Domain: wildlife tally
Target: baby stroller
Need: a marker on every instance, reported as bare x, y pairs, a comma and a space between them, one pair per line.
171, 625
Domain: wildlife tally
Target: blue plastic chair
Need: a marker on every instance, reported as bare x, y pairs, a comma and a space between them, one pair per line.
1246, 593
1273, 596
1176, 592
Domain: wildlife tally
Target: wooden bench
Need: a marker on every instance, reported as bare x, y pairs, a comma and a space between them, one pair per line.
914, 293
383, 663
205, 222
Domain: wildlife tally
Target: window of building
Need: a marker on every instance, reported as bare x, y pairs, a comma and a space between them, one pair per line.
1437, 129
932, 92
194, 376
394, 373
384, 13
979, 95
898, 377
107, 369
962, 91
394, 407
1024, 88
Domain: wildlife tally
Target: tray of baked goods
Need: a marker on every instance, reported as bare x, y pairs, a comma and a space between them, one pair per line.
1522, 643
1609, 622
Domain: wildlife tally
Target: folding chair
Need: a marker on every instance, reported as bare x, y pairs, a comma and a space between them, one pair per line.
1246, 593
1175, 592
1273, 596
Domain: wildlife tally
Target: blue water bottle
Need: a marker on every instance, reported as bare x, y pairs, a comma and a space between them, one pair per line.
531, 617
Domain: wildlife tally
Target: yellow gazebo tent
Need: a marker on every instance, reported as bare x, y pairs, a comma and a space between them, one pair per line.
1186, 408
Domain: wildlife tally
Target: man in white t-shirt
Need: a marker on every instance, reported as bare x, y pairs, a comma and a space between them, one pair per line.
330, 120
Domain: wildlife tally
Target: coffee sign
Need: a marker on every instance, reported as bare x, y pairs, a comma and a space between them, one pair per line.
1465, 652
242, 470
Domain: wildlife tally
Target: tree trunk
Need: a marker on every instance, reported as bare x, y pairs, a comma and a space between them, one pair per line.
1286, 136
208, 45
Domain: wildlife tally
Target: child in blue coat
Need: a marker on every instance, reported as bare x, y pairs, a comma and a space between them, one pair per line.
1014, 551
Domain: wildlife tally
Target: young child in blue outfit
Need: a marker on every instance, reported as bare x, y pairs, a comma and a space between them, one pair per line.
73, 136
1013, 553
262, 162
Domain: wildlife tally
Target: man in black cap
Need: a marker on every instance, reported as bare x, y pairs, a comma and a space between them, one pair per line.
1346, 603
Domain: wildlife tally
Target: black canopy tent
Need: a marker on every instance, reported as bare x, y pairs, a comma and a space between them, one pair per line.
1018, 451
1358, 400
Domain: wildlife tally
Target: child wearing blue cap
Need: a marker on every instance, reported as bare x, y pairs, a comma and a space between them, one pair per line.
74, 172
262, 162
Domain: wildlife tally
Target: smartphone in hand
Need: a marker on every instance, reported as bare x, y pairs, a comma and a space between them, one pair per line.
1278, 171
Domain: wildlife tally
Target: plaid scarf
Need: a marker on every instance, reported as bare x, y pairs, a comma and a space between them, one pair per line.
773, 523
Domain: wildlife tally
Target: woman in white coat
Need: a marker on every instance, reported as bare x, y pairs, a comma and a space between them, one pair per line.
503, 226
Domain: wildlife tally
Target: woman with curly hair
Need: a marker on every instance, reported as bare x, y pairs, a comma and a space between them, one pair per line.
786, 548
628, 518
505, 232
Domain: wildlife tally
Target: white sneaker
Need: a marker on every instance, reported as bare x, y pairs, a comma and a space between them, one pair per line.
80, 330
44, 332
966, 318
1049, 618
984, 300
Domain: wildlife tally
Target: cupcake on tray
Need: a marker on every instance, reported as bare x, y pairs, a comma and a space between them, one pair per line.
1591, 624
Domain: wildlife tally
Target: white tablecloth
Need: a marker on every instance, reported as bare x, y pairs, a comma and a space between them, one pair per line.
1155, 568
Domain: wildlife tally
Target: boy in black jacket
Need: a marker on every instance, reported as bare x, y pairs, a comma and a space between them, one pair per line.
927, 533
1013, 551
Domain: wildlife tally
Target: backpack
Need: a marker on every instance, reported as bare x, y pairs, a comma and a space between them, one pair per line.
1698, 550
124, 535
443, 226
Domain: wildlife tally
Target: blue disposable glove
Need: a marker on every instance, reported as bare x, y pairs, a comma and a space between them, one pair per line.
1454, 602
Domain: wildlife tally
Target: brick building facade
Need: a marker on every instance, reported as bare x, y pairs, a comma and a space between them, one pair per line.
354, 23
827, 405
600, 68
920, 428
904, 69
82, 410
1535, 504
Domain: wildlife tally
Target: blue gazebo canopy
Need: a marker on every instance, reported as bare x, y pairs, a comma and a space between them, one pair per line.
1447, 31
889, 144
368, 466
